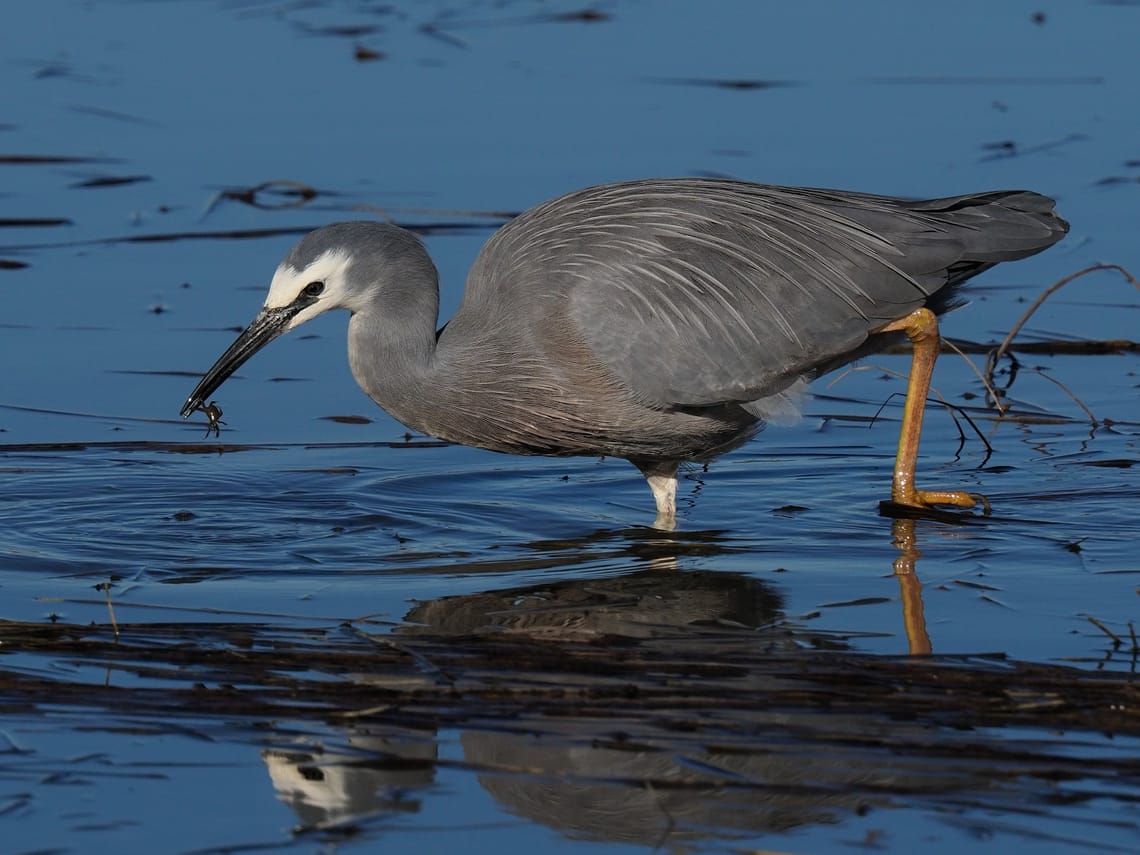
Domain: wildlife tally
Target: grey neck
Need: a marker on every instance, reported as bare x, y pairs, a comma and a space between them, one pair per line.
394, 361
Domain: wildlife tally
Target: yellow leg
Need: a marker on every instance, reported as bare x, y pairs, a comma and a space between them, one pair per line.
921, 327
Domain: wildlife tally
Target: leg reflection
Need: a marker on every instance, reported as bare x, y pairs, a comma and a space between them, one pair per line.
910, 588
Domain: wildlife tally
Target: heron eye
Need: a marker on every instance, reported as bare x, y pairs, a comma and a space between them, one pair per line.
313, 289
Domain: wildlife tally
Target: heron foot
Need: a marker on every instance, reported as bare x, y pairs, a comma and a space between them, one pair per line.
931, 504
956, 498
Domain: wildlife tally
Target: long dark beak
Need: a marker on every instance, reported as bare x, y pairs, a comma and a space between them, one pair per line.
265, 327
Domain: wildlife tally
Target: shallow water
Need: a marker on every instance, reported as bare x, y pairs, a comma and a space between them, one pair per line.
132, 247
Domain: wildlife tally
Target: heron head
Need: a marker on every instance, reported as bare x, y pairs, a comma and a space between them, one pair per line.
339, 266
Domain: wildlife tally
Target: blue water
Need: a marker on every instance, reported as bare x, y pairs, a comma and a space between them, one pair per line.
472, 111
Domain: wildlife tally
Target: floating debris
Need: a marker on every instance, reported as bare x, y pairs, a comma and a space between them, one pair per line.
111, 181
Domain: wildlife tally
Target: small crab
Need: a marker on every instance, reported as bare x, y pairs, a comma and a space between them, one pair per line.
214, 414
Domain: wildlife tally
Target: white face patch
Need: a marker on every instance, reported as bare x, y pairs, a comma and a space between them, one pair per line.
287, 282
329, 268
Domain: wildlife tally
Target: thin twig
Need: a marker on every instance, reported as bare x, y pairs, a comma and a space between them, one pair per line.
950, 408
1067, 391
995, 357
1116, 642
989, 388
106, 588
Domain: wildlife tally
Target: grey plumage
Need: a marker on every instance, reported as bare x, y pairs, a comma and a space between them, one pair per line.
654, 320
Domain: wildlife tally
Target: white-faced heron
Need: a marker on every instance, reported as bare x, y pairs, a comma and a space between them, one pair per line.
660, 320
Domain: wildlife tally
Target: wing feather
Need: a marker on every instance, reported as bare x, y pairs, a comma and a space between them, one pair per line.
696, 292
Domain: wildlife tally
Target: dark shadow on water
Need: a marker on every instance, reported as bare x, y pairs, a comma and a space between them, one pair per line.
658, 708
661, 706
641, 604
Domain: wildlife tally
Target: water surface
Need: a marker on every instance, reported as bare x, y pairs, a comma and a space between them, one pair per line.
330, 635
